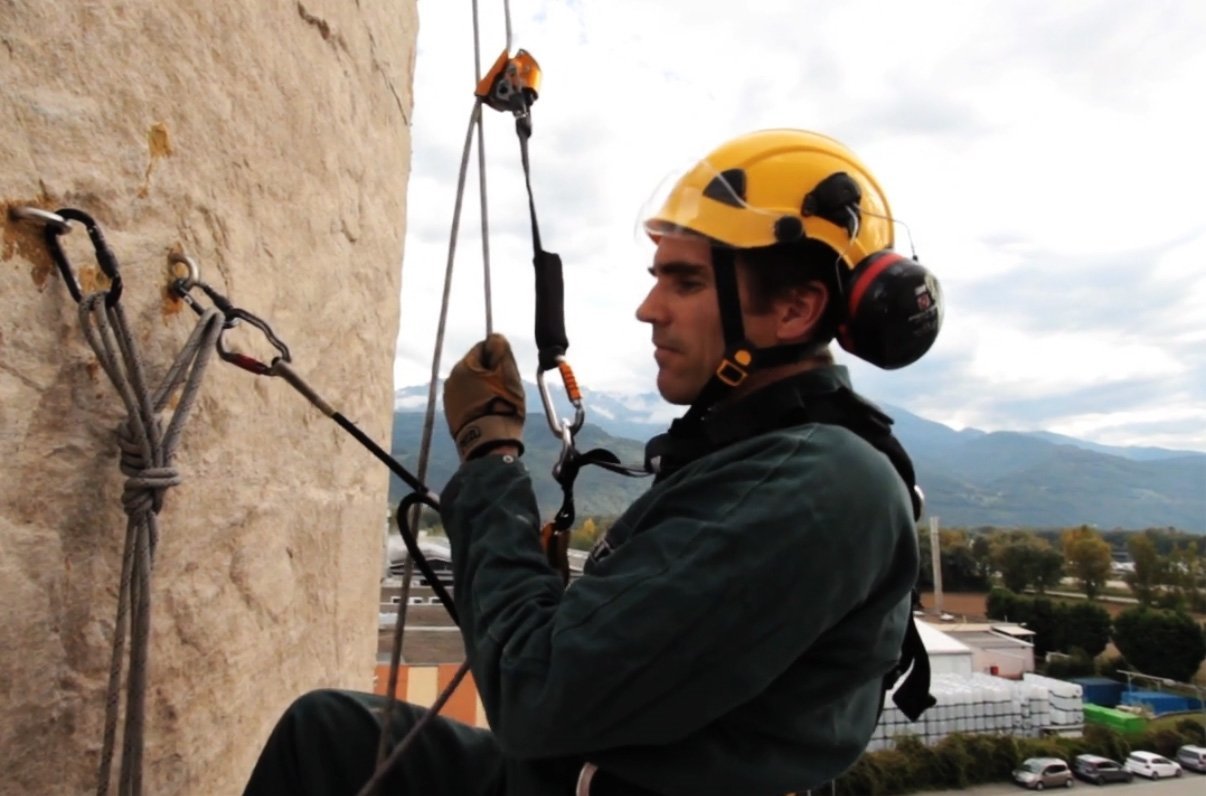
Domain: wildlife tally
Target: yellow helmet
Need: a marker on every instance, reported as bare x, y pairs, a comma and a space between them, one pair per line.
782, 186
776, 186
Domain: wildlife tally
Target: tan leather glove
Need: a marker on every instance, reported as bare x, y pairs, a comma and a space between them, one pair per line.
483, 399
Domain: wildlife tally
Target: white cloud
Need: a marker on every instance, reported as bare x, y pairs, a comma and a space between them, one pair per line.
1054, 363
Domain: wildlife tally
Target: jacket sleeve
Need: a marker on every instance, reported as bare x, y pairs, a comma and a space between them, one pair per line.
734, 563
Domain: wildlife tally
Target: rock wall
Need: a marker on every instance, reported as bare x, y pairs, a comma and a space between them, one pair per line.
270, 141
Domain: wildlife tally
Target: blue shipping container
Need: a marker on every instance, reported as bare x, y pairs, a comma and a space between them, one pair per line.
1160, 703
1100, 690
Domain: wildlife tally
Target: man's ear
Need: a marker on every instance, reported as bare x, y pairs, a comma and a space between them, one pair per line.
801, 310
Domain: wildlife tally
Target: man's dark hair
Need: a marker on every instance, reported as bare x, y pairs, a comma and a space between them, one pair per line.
773, 271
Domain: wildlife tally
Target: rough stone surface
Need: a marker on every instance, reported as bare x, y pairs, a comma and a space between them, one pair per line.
270, 140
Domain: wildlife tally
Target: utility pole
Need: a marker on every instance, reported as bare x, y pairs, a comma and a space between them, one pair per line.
936, 563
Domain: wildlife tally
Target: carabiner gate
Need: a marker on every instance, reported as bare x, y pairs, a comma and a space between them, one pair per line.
556, 424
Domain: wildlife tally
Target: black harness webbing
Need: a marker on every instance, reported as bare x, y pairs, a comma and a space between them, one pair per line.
551, 340
690, 438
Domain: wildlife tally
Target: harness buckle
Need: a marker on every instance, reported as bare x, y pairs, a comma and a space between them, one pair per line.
730, 372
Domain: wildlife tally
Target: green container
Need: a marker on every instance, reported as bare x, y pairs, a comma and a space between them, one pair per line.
1118, 720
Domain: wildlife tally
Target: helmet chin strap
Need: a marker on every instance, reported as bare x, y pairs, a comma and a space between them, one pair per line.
740, 356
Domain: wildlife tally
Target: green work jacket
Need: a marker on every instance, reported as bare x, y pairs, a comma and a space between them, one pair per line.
729, 636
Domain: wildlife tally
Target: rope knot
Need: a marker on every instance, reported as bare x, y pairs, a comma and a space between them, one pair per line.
147, 481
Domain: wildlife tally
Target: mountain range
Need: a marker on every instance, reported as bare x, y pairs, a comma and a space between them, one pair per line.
971, 478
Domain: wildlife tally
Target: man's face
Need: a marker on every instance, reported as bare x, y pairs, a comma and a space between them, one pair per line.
682, 309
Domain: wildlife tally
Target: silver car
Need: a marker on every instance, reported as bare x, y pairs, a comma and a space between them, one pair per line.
1193, 758
1039, 773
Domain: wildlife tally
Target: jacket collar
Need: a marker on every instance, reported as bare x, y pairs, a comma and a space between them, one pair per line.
780, 404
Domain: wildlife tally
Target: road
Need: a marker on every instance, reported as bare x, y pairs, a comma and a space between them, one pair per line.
1190, 784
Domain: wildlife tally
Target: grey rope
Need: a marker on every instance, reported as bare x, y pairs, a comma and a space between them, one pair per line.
481, 171
428, 427
384, 767
384, 757
147, 449
507, 15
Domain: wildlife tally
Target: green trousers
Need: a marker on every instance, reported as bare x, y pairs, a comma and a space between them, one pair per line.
326, 743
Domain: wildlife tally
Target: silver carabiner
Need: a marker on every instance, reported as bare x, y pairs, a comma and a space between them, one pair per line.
557, 424
567, 445
45, 217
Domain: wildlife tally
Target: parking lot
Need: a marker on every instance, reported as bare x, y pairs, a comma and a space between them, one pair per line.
1188, 784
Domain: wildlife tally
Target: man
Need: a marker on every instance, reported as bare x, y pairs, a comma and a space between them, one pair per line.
735, 630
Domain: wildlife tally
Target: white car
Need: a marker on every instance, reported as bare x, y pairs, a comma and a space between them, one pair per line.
1151, 765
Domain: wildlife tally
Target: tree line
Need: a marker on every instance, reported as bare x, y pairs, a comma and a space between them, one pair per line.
1153, 641
1163, 568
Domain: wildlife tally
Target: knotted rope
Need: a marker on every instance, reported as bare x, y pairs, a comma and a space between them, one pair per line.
147, 449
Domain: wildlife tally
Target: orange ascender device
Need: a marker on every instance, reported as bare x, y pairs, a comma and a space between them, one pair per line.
512, 84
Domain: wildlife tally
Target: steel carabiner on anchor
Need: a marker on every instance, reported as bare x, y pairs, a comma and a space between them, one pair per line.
104, 255
55, 225
182, 287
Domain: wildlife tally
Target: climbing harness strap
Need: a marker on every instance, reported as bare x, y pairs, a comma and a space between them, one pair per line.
147, 450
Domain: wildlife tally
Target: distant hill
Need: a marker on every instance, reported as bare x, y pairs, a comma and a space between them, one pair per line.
970, 477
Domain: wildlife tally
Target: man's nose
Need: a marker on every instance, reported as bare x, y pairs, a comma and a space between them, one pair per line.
649, 310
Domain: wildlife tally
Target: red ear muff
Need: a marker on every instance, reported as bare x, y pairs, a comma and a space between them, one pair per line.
893, 310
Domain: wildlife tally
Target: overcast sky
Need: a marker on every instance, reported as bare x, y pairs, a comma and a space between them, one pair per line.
1048, 158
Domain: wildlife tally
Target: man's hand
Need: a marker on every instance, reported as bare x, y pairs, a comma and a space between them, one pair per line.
483, 399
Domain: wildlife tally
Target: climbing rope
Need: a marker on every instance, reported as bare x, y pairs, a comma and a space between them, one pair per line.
147, 451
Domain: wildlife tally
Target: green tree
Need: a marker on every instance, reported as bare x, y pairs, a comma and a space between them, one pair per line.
925, 578
981, 550
1049, 626
1087, 627
1023, 559
960, 570
1185, 573
1047, 567
1160, 643
1004, 604
1088, 558
1147, 572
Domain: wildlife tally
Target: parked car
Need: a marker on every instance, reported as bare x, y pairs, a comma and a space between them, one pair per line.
1151, 765
1038, 773
1193, 758
1099, 770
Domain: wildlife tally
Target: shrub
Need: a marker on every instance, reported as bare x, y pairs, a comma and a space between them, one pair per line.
954, 762
1002, 604
996, 757
1110, 666
861, 779
1106, 742
1077, 663
1192, 731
